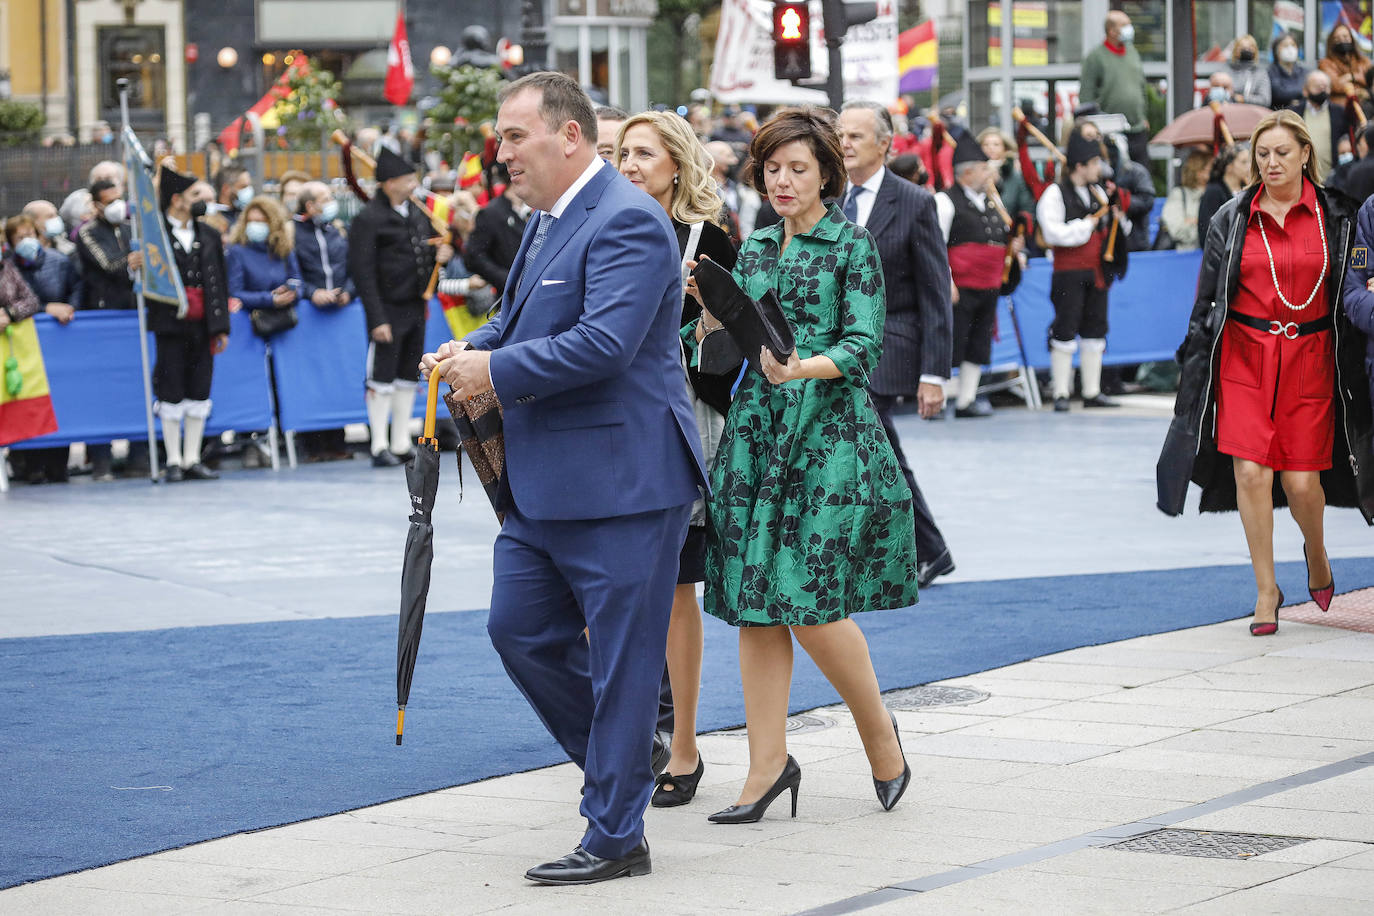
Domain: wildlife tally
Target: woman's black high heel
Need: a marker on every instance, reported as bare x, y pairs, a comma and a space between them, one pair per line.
752, 813
1268, 629
890, 790
684, 788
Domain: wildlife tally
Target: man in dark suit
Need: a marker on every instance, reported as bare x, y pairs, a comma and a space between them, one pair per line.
918, 330
495, 239
1325, 122
390, 259
603, 460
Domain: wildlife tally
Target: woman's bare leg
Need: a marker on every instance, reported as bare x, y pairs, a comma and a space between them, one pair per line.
685, 640
765, 666
1255, 499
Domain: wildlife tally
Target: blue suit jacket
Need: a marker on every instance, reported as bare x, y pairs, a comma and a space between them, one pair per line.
587, 364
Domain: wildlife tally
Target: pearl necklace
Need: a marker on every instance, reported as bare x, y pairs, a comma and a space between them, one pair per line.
1321, 230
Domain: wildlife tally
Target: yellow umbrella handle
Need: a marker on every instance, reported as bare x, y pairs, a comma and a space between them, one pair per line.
434, 378
400, 723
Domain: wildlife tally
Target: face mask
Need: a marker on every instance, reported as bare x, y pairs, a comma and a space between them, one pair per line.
1218, 94
107, 139
256, 232
1245, 55
329, 212
1288, 54
291, 204
28, 248
244, 196
1127, 34
115, 212
1343, 47
1317, 98
53, 227
198, 209
1343, 158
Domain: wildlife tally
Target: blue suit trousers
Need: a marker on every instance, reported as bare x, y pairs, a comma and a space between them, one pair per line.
597, 697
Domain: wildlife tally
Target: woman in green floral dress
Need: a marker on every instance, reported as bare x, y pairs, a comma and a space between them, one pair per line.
811, 519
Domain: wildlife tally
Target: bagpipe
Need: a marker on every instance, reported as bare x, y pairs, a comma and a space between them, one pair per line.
352, 158
1108, 199
1017, 228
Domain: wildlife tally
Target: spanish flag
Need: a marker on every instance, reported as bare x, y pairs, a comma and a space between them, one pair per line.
461, 322
469, 170
25, 404
916, 57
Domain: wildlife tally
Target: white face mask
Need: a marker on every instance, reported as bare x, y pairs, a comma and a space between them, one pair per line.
257, 233
115, 212
53, 227
1288, 54
1343, 158
1127, 34
329, 212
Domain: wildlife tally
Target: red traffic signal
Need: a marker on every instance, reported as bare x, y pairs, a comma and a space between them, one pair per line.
791, 40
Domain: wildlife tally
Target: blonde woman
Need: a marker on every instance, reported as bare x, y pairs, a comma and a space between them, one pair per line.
263, 273
1180, 213
658, 152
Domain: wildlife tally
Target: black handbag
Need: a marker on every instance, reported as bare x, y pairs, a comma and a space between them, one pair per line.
752, 324
267, 322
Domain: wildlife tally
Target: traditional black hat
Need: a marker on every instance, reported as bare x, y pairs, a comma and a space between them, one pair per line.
390, 165
1082, 149
170, 182
966, 149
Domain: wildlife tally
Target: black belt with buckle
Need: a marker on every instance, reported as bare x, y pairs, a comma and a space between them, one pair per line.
1292, 330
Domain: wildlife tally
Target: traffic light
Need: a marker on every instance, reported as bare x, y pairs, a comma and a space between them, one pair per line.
791, 40
840, 16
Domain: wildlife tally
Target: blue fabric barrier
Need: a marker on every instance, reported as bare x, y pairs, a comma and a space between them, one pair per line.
321, 365
95, 374
1148, 311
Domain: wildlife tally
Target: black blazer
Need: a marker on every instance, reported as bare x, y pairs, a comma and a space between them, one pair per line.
918, 331
389, 259
162, 318
495, 239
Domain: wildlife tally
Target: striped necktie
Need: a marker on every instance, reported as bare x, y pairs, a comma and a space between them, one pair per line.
541, 232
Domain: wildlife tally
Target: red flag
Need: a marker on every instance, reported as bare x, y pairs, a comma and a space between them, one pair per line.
400, 73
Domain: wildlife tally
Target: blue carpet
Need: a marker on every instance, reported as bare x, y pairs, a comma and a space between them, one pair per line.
118, 745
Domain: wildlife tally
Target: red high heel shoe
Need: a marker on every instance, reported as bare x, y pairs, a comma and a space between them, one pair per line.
1268, 629
1322, 596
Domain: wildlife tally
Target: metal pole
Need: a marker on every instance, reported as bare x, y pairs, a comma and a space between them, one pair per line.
1184, 70
834, 79
142, 306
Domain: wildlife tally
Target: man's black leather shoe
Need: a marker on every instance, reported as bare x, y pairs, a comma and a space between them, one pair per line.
174, 474
1061, 405
581, 867
384, 459
980, 407
929, 571
1100, 401
199, 471
663, 752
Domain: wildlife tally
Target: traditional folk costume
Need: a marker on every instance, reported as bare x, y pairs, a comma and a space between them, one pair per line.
184, 333
977, 237
1082, 275
390, 259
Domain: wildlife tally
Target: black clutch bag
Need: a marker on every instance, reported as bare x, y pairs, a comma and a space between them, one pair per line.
752, 324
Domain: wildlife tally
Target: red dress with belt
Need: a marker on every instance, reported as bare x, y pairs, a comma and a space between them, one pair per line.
1275, 391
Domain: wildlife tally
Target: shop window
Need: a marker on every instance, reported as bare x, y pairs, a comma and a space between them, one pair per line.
599, 44
137, 54
1152, 26
1271, 18
565, 51
1043, 32
1216, 30
1355, 15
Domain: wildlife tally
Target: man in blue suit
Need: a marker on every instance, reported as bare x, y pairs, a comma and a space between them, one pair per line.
603, 460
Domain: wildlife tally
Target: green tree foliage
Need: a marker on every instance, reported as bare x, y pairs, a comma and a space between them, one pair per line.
308, 115
467, 98
20, 123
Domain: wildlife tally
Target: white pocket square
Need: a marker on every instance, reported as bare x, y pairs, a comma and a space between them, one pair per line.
552, 282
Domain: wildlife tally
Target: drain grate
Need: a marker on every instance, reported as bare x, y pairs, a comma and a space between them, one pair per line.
929, 695
1207, 844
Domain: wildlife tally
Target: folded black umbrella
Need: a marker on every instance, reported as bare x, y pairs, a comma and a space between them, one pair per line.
422, 475
751, 323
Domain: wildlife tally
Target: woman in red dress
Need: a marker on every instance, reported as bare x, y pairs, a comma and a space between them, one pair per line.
1267, 341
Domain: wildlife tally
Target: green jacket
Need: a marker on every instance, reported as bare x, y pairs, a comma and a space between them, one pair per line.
1116, 82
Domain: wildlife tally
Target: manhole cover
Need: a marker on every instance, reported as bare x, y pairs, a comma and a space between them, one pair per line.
923, 697
1207, 844
802, 722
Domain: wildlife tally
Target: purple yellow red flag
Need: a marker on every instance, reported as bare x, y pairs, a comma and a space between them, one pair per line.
916, 58
25, 403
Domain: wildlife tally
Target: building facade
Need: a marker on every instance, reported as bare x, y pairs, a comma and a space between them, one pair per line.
33, 57
1049, 38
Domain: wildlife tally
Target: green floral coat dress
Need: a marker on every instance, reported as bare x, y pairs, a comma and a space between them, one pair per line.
810, 519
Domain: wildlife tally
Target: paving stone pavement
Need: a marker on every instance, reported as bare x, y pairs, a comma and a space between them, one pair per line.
1015, 800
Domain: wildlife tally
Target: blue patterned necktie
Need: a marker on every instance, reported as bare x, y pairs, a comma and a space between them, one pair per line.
851, 203
541, 232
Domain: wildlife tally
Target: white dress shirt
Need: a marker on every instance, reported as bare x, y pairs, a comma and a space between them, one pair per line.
1061, 233
185, 233
864, 203
587, 175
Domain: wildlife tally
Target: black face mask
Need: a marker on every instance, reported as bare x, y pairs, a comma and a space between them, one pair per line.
198, 209
1318, 99
1246, 55
1343, 47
